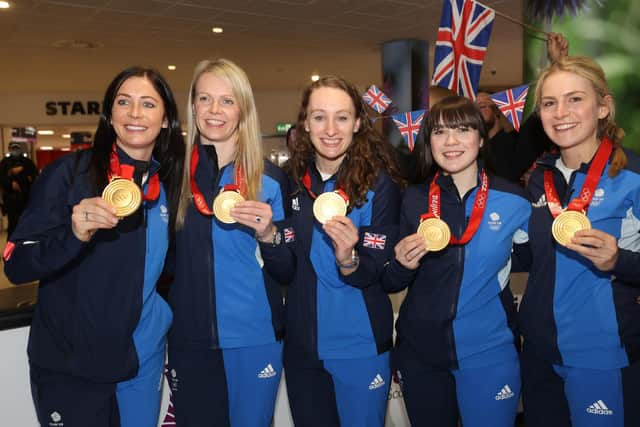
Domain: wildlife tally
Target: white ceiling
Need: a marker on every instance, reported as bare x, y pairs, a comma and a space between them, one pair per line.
280, 43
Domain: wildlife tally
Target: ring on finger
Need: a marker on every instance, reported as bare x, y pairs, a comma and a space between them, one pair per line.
258, 219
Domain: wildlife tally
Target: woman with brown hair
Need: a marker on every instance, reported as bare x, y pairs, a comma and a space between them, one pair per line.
339, 320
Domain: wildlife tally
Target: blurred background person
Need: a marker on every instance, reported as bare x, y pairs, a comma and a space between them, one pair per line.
17, 173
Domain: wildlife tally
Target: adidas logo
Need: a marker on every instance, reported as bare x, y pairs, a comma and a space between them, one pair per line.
377, 382
542, 202
505, 393
599, 408
267, 372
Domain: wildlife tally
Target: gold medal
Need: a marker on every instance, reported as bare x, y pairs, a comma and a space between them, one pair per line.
567, 223
124, 195
435, 232
223, 203
328, 205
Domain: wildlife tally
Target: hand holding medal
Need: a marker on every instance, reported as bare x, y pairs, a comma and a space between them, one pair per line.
90, 215
257, 215
436, 232
410, 250
597, 246
574, 218
227, 198
124, 194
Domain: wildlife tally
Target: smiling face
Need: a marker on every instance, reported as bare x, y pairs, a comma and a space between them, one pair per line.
216, 110
570, 110
455, 149
331, 122
137, 116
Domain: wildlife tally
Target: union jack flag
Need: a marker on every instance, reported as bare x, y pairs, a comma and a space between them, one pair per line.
289, 235
409, 125
376, 99
511, 102
374, 241
463, 36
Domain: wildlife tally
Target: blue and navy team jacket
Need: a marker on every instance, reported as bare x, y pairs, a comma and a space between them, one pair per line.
223, 295
459, 311
98, 315
328, 315
572, 313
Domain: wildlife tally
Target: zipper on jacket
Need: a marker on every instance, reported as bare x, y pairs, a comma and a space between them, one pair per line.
460, 262
215, 339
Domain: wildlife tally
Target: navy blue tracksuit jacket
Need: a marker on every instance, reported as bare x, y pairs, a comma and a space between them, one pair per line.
224, 295
330, 316
459, 311
573, 314
98, 315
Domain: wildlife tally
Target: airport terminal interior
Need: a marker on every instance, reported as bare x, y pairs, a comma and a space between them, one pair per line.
57, 56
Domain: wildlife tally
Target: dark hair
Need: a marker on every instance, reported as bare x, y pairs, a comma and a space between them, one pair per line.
365, 157
169, 146
451, 112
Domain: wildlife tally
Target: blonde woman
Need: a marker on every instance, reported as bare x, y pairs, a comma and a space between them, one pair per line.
225, 343
580, 316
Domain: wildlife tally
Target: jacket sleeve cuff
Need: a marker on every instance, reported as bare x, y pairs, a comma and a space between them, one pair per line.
365, 275
627, 267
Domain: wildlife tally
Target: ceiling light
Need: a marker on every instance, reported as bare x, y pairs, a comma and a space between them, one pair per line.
46, 148
45, 132
4, 5
217, 30
171, 67
315, 77
66, 135
184, 133
65, 149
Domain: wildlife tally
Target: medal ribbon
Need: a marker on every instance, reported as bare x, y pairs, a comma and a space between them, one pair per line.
198, 197
479, 205
580, 203
306, 181
116, 170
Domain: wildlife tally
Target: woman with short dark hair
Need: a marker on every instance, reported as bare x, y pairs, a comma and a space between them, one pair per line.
455, 352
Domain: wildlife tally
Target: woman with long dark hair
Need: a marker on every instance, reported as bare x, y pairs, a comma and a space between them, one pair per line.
97, 341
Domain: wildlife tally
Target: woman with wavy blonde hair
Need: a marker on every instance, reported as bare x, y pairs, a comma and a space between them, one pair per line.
579, 315
225, 344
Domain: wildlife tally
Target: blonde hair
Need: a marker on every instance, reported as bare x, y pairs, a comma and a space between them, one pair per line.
249, 156
589, 69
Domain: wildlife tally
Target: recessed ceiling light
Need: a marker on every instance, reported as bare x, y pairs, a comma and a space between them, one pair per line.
66, 135
217, 30
46, 148
65, 149
171, 67
4, 5
45, 132
315, 77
